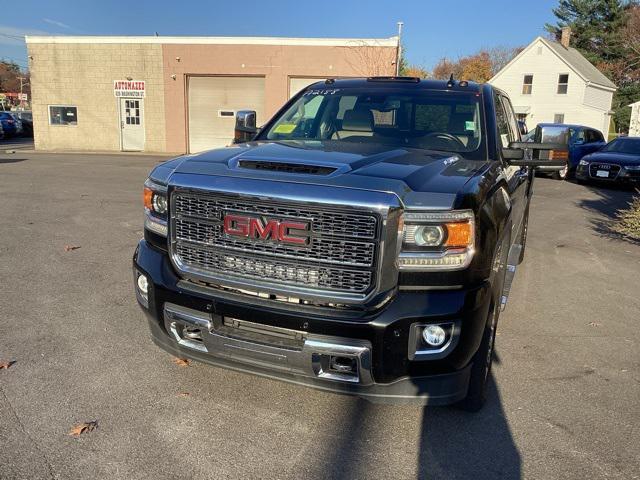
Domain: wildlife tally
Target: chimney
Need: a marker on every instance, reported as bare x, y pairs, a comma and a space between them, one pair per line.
565, 39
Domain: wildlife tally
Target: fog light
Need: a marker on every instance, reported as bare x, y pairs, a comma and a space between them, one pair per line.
434, 335
143, 284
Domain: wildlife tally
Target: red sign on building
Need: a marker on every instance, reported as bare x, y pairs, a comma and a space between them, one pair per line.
129, 88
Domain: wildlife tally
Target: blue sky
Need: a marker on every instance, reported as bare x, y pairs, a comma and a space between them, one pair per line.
433, 29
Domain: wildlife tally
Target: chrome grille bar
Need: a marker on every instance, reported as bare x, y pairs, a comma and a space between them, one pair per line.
341, 255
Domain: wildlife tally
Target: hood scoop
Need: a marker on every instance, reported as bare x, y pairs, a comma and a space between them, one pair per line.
286, 167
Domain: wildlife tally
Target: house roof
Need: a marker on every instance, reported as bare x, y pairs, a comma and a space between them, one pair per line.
584, 67
573, 58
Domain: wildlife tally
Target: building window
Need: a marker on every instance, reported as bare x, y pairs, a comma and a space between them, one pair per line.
558, 118
527, 85
63, 115
563, 83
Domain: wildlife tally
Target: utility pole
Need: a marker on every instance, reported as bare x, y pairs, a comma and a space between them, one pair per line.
22, 85
399, 49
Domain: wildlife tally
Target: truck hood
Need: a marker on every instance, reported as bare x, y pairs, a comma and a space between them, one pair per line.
417, 177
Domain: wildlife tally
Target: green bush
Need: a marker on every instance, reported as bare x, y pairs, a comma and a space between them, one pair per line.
628, 223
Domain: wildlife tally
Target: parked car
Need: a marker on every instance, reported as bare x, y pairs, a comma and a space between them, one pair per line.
26, 117
363, 241
1, 131
579, 141
618, 161
9, 124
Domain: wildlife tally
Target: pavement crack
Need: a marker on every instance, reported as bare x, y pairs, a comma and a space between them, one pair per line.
26, 433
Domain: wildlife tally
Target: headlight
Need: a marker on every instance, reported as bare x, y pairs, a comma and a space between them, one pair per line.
584, 163
155, 207
633, 168
437, 240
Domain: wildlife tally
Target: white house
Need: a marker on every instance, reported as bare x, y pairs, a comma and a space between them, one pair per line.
553, 82
634, 124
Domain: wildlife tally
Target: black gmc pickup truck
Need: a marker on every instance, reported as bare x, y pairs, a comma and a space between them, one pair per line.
362, 241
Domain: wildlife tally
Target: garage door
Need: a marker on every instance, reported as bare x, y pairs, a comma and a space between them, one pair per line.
213, 102
296, 84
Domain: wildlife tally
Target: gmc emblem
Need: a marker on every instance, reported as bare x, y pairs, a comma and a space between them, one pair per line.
284, 231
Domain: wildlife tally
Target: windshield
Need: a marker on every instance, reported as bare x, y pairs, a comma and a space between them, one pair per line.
447, 121
624, 145
553, 134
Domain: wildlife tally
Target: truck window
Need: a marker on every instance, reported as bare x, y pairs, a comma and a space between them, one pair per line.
553, 134
593, 136
434, 120
502, 120
511, 117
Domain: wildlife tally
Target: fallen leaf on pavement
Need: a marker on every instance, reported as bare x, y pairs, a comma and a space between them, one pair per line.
184, 394
594, 324
68, 248
82, 428
6, 364
183, 362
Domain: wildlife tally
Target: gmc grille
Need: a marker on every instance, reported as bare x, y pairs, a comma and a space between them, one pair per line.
341, 255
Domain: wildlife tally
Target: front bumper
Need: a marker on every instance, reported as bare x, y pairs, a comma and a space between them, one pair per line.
624, 176
377, 342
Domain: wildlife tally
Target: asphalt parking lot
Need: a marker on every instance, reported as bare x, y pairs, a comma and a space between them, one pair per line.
564, 403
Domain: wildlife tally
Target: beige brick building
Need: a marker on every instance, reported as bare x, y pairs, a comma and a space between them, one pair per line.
177, 94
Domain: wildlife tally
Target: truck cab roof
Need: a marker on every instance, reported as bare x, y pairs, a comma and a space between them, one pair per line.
410, 83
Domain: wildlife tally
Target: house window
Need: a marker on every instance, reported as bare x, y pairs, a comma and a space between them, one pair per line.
63, 115
558, 118
563, 83
527, 85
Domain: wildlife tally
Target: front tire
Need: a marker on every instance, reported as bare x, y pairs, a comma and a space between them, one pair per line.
481, 368
562, 174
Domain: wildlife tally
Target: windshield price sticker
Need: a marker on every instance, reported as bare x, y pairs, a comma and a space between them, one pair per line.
326, 91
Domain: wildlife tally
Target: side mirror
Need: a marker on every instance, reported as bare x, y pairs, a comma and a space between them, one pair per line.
245, 128
549, 155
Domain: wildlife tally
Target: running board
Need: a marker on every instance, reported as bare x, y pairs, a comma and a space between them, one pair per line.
512, 263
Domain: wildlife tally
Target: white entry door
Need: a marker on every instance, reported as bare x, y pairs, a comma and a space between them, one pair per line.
131, 124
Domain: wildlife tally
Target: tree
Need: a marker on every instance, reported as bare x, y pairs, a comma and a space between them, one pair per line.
414, 71
631, 38
367, 60
445, 68
606, 32
476, 67
499, 56
596, 26
9, 73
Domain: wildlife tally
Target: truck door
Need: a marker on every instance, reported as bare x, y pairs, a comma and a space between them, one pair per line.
516, 176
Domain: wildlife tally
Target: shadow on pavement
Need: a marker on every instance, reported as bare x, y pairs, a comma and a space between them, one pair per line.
607, 204
452, 444
460, 445
12, 160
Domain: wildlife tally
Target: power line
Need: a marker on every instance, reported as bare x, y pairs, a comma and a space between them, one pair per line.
14, 60
15, 37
